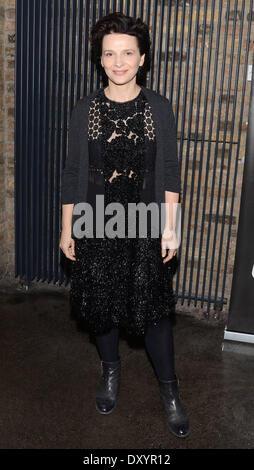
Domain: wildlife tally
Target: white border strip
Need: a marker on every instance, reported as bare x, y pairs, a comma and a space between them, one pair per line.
235, 336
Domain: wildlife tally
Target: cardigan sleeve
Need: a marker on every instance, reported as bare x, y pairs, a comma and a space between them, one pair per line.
172, 176
70, 173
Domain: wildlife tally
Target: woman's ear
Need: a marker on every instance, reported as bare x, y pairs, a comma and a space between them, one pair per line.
142, 59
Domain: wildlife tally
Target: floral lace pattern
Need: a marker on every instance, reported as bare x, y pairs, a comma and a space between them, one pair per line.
125, 136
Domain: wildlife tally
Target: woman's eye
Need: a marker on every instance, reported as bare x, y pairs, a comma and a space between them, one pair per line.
109, 53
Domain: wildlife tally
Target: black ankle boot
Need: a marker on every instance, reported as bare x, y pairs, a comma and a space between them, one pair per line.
177, 418
109, 386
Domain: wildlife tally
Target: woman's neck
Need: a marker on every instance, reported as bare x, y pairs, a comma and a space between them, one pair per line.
127, 95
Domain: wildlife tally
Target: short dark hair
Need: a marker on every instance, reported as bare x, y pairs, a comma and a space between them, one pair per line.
117, 22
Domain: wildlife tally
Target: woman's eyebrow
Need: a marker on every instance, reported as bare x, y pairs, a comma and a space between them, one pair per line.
110, 50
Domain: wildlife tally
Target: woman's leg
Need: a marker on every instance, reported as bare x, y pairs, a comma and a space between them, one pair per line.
108, 345
159, 342
111, 371
160, 346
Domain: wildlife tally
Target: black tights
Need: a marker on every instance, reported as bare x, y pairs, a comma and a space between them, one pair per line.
159, 344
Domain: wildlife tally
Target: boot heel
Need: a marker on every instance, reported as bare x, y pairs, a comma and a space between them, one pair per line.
108, 387
177, 418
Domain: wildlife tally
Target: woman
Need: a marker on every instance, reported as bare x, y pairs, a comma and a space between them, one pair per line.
122, 146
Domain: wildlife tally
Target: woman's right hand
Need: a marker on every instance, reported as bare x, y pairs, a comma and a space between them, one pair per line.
67, 244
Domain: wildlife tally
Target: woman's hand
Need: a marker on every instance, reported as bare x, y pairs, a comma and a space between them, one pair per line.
67, 244
168, 241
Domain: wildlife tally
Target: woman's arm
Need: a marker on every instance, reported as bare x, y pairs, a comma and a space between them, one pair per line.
171, 199
172, 177
70, 178
67, 244
170, 238
67, 210
172, 187
70, 173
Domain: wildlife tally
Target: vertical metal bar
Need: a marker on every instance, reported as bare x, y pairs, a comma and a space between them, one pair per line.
31, 168
209, 147
79, 47
134, 8
213, 94
93, 21
72, 55
154, 25
35, 110
174, 42
48, 127
206, 97
38, 152
85, 54
107, 8
141, 9
178, 92
66, 49
216, 152
100, 14
188, 230
184, 181
167, 48
27, 154
147, 20
45, 117
18, 188
159, 50
127, 7
33, 190
51, 154
199, 87
58, 110
181, 45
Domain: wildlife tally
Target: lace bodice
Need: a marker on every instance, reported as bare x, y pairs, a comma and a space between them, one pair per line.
120, 121
95, 127
122, 147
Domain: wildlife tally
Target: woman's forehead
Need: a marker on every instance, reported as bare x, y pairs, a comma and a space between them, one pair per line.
117, 40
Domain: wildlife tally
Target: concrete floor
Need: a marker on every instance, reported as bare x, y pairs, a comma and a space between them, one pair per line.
50, 370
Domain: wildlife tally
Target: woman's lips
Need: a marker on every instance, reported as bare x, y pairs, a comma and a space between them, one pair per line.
119, 72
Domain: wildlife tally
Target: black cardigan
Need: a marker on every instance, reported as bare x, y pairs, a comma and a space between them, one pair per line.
167, 170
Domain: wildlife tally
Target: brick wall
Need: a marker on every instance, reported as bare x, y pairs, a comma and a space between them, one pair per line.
7, 71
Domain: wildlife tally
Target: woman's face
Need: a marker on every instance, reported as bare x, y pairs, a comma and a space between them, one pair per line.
121, 57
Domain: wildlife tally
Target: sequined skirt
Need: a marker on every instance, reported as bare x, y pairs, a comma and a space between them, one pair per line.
121, 282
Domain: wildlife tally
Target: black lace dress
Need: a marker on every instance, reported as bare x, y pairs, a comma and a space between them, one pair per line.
121, 281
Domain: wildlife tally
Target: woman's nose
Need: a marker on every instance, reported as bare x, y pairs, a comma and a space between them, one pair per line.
118, 63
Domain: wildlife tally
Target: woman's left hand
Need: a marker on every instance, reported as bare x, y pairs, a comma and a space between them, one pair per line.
168, 240
170, 254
